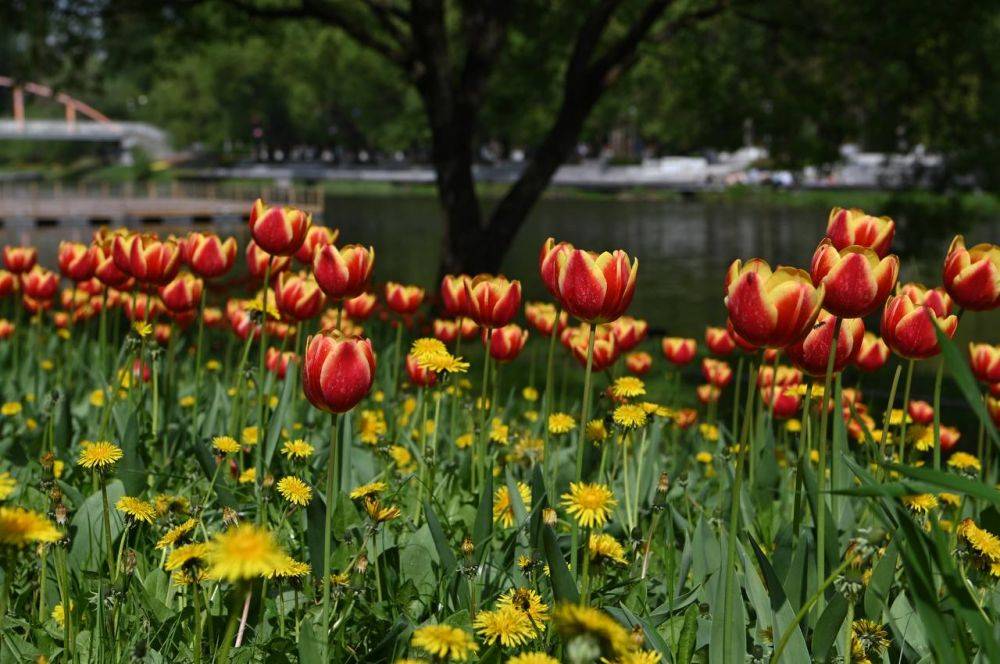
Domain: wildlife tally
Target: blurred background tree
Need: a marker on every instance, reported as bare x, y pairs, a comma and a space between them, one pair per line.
455, 83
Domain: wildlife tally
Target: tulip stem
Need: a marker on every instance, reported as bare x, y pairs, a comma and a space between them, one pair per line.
197, 365
395, 358
259, 447
821, 466
938, 378
582, 434
480, 474
885, 419
906, 405
547, 409
734, 518
331, 472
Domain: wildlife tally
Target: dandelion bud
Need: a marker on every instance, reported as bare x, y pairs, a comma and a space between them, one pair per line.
664, 484
229, 516
61, 514
467, 546
362, 564
128, 565
549, 517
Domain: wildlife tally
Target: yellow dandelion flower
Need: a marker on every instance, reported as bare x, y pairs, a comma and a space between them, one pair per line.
527, 601
641, 657
965, 462
187, 401
20, 527
99, 455
142, 328
290, 568
920, 503
59, 613
185, 556
709, 431
297, 449
503, 509
378, 512
897, 415
793, 425
442, 363
703, 457
10, 409
531, 415
246, 551
605, 547
560, 423
165, 503
530, 394
427, 346
7, 485
628, 387
294, 490
506, 626
97, 398
444, 642
177, 534
589, 504
213, 365
499, 432
596, 431
869, 641
573, 621
465, 440
532, 658
402, 458
368, 489
136, 509
250, 436
950, 499
372, 426
226, 444
629, 416
248, 476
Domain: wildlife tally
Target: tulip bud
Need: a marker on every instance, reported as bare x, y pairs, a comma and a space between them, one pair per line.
909, 329
812, 352
360, 308
949, 438
718, 341
258, 260
716, 372
972, 276
212, 317
993, 406
548, 263
542, 317
77, 261
596, 288
920, 412
19, 259
783, 377
707, 393
873, 353
786, 401
182, 294
403, 299
337, 370
638, 363
141, 306
277, 361
445, 331
419, 376
40, 284
679, 351
605, 350
770, 308
146, 258
935, 298
985, 362
629, 332
856, 280
279, 231
505, 343
207, 255
454, 297
343, 273
493, 301
8, 284
685, 417
316, 237
6, 328
853, 227
298, 296
107, 271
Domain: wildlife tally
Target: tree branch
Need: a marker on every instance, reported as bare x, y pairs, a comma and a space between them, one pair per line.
393, 47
